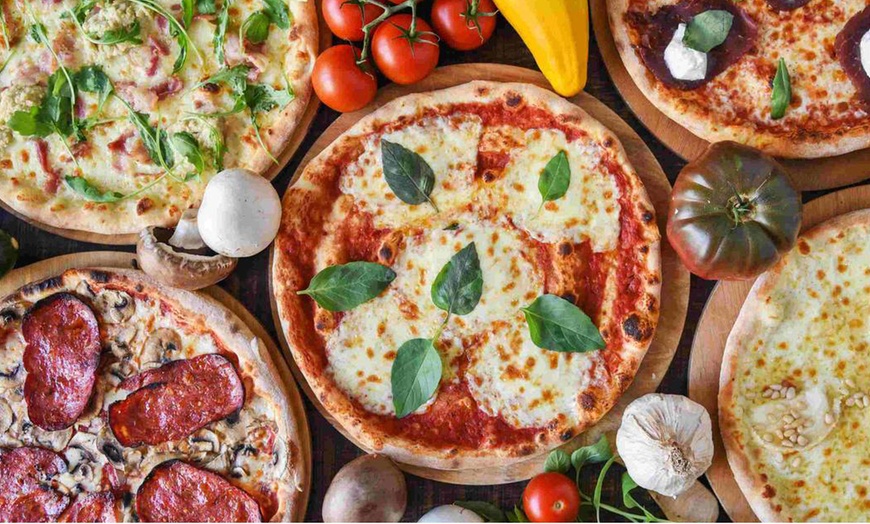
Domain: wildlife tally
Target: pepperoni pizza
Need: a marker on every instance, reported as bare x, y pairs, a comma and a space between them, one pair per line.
122, 398
787, 76
503, 214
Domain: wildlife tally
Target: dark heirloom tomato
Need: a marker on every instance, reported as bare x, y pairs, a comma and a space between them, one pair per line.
733, 213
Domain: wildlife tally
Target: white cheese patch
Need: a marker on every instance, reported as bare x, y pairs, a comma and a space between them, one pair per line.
449, 146
588, 211
683, 62
865, 52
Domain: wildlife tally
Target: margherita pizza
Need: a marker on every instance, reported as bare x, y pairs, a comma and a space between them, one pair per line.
789, 77
124, 399
794, 387
468, 276
114, 114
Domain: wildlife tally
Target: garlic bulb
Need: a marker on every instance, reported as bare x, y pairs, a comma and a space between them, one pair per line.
666, 442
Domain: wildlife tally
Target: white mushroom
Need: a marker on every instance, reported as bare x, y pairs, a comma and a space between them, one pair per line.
450, 513
240, 213
117, 306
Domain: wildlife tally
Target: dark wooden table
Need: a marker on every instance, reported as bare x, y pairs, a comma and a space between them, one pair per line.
249, 284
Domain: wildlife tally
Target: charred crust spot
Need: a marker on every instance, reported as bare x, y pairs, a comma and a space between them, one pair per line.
768, 492
513, 100
140, 288
803, 247
210, 87
482, 91
525, 451
452, 452
647, 216
637, 328
566, 435
144, 205
489, 176
569, 297
235, 328
587, 401
100, 277
608, 142
385, 252
644, 249
40, 287
565, 248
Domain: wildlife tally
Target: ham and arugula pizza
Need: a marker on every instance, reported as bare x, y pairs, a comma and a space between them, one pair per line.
794, 388
114, 114
124, 399
790, 77
468, 276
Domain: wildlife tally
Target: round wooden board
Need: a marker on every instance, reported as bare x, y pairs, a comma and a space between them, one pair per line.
808, 175
299, 134
114, 259
675, 278
715, 324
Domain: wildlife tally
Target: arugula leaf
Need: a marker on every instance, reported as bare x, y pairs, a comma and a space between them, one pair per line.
596, 495
708, 30
558, 461
206, 7
92, 79
593, 454
459, 284
485, 510
81, 10
89, 192
781, 96
186, 145
407, 174
130, 34
558, 325
187, 11
223, 21
216, 138
278, 13
415, 375
256, 27
37, 33
29, 123
344, 287
235, 77
155, 140
262, 98
554, 180
176, 29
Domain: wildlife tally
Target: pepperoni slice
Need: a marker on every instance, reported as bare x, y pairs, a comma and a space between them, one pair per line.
786, 5
26, 494
61, 359
848, 46
658, 29
175, 400
91, 507
176, 491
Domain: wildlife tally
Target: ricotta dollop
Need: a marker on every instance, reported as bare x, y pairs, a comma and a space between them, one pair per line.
683, 62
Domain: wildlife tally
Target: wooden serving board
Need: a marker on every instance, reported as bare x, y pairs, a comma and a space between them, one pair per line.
113, 259
715, 324
807, 174
675, 286
284, 157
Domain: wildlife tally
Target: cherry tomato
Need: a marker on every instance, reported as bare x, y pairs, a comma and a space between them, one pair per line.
343, 18
461, 28
551, 497
339, 82
402, 57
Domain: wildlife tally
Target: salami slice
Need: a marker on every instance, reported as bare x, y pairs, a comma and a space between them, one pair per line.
175, 491
26, 494
175, 400
91, 507
61, 359
786, 5
848, 46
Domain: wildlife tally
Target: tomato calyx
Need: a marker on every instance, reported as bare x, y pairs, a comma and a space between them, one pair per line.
740, 209
472, 15
388, 11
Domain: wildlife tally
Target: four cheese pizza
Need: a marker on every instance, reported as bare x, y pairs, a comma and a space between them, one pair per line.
125, 399
794, 386
787, 76
114, 114
468, 276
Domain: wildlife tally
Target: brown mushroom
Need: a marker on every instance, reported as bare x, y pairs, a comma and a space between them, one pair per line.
179, 258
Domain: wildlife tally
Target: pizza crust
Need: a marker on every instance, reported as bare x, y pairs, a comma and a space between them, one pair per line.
317, 183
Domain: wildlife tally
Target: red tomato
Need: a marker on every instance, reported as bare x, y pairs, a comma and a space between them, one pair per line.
344, 20
461, 28
551, 497
339, 82
402, 57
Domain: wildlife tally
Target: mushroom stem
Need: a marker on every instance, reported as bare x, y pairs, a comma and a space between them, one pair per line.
186, 235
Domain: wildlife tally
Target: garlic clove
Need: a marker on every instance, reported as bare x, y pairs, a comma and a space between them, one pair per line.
696, 504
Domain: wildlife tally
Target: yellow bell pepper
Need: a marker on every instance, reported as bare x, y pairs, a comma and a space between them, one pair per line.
557, 33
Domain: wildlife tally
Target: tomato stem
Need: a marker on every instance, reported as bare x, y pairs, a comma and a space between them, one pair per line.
740, 209
388, 11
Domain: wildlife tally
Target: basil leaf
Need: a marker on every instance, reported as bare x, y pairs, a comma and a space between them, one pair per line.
485, 510
459, 284
344, 287
29, 123
554, 180
187, 12
407, 174
278, 12
92, 79
415, 375
594, 454
206, 7
89, 192
558, 325
558, 461
517, 515
223, 20
708, 30
256, 27
187, 146
628, 484
781, 97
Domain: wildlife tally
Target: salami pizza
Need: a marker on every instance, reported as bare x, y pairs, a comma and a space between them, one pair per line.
115, 114
794, 386
787, 76
124, 399
468, 276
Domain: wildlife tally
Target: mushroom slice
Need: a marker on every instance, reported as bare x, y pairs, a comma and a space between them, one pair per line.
7, 417
203, 447
160, 346
799, 423
179, 258
116, 306
119, 343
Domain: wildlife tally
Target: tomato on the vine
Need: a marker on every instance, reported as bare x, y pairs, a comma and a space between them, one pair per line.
404, 56
551, 497
339, 82
344, 18
462, 24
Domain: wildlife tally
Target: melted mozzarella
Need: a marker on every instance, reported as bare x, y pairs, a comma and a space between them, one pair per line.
683, 62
